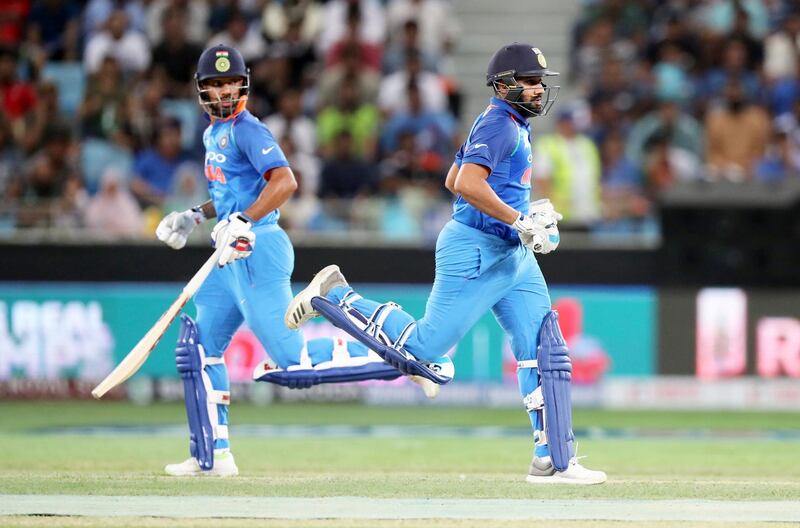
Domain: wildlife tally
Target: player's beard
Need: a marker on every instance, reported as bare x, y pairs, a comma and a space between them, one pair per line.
224, 107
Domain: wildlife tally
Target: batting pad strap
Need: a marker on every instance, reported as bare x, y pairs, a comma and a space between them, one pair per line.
219, 397
351, 322
208, 360
221, 432
375, 323
528, 363
534, 400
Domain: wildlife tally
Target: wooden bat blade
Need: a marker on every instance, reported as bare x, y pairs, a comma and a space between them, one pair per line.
138, 354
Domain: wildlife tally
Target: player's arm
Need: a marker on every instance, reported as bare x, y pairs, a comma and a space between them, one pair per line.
470, 182
282, 184
450, 180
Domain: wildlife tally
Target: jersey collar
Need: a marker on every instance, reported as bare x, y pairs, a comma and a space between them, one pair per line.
510, 109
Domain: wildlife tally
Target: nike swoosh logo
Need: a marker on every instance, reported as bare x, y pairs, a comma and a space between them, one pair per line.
267, 151
479, 145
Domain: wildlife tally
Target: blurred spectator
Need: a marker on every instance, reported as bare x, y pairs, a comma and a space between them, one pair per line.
395, 57
12, 21
330, 83
298, 51
128, 46
736, 134
195, 15
393, 94
372, 29
406, 165
628, 18
103, 113
113, 211
665, 163
303, 207
189, 188
566, 169
269, 79
622, 185
144, 111
674, 32
681, 129
17, 97
43, 119
10, 158
438, 28
733, 66
782, 56
97, 13
599, 46
155, 168
719, 16
242, 35
344, 175
782, 49
278, 17
289, 121
45, 180
53, 31
779, 163
369, 54
432, 132
352, 114
175, 59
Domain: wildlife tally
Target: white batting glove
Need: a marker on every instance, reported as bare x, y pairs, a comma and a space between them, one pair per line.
174, 229
539, 230
545, 207
236, 236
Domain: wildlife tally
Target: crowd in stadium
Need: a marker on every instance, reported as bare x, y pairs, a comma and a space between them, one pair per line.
100, 127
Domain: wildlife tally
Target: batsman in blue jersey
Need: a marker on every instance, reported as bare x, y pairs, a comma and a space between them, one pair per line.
248, 179
484, 261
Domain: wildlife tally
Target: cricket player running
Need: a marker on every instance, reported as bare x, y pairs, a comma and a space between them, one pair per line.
484, 260
248, 179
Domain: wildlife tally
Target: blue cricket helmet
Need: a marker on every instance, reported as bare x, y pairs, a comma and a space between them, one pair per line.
517, 61
221, 61
218, 62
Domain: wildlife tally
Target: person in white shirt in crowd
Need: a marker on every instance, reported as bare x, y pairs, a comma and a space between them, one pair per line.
393, 93
129, 47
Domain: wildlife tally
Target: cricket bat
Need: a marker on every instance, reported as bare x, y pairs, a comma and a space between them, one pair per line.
138, 354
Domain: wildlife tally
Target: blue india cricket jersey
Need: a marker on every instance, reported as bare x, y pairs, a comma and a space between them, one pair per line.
500, 141
239, 152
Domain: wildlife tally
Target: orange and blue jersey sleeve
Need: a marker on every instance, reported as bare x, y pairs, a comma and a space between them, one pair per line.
259, 146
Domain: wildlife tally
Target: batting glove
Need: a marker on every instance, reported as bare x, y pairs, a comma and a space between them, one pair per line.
236, 236
174, 229
539, 230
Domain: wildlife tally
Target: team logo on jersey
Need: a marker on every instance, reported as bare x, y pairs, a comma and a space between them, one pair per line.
223, 141
540, 57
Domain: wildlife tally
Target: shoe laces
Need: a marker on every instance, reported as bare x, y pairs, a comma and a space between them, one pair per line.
574, 460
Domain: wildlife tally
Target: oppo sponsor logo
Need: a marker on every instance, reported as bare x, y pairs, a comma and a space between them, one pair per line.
216, 157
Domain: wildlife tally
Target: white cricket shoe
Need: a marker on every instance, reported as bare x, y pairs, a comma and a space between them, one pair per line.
543, 472
430, 388
300, 310
224, 466
444, 366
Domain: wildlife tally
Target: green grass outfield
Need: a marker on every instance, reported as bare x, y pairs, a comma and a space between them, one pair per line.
648, 455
